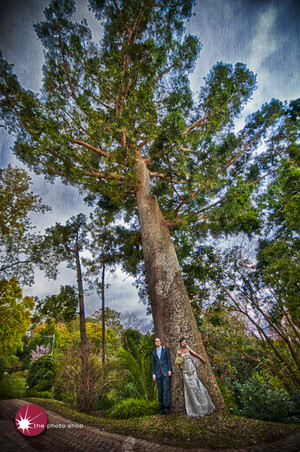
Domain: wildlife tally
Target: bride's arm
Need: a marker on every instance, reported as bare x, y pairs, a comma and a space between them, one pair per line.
197, 356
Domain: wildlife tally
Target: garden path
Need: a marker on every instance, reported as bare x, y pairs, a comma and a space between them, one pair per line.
90, 439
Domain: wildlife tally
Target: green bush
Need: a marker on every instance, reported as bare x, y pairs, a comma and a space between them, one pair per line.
259, 400
12, 387
39, 394
229, 397
129, 408
42, 374
104, 404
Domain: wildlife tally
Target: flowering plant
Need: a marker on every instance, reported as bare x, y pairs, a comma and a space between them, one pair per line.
40, 351
179, 361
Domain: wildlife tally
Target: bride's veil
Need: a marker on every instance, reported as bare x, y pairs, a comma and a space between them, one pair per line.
194, 360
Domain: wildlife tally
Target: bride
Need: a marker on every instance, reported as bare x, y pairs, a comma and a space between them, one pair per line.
196, 397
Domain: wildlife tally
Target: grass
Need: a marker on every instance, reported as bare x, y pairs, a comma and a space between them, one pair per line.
211, 432
12, 387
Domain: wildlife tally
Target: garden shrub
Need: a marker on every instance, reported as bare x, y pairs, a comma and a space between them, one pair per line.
260, 400
129, 408
229, 397
104, 404
68, 386
12, 387
41, 374
39, 394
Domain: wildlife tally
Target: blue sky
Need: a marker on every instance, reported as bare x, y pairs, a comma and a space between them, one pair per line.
262, 34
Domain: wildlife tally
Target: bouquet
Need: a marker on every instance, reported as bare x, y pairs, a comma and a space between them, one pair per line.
179, 361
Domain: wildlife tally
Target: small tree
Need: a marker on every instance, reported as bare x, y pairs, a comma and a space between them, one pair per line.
15, 316
61, 307
16, 236
103, 249
64, 243
41, 374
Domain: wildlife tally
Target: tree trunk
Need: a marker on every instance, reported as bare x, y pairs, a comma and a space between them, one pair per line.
103, 317
83, 397
172, 313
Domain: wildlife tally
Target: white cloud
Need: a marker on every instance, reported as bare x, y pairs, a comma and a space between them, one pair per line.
263, 42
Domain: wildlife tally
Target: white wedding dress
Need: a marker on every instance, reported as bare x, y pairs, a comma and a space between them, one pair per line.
196, 397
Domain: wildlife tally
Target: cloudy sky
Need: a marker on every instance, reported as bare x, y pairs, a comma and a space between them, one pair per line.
264, 34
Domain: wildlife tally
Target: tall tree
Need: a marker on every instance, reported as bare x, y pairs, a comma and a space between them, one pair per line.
65, 243
103, 259
119, 121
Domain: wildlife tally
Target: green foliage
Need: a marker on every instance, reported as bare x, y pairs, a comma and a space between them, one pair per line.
49, 333
259, 400
233, 354
104, 404
130, 408
16, 237
136, 362
94, 333
266, 311
42, 373
229, 398
15, 315
131, 340
112, 319
68, 381
12, 387
39, 394
62, 243
61, 307
118, 99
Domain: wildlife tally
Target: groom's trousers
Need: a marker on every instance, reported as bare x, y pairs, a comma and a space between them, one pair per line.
163, 388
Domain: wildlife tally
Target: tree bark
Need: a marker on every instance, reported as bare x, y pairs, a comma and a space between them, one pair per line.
103, 316
83, 398
172, 313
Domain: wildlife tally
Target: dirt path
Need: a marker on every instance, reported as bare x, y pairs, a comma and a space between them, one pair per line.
73, 437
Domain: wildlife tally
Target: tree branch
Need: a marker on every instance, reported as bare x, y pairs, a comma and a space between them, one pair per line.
225, 197
164, 72
18, 114
163, 176
198, 123
240, 153
65, 65
92, 148
5, 267
95, 173
185, 201
187, 150
59, 173
171, 179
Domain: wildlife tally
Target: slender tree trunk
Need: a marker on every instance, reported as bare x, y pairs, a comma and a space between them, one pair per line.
172, 313
103, 317
84, 396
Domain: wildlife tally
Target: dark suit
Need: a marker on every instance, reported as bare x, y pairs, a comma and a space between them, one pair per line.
160, 368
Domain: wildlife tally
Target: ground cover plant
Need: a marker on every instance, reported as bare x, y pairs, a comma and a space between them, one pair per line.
211, 432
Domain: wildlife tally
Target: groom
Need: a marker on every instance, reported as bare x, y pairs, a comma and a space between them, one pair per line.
162, 371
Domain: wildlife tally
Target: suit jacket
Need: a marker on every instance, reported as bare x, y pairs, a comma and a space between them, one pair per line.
161, 367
